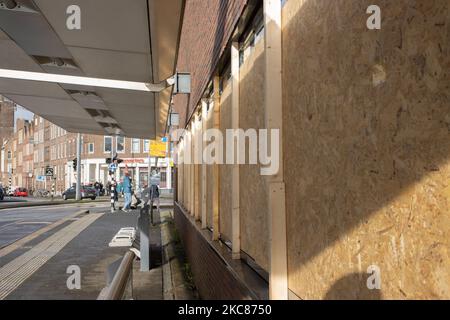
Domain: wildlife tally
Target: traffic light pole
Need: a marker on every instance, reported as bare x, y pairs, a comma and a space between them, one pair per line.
113, 180
78, 187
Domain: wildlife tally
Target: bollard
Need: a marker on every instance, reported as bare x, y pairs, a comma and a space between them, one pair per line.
143, 224
113, 199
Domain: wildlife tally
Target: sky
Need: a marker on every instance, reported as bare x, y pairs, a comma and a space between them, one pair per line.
22, 113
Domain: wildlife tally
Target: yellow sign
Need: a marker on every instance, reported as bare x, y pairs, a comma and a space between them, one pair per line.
157, 149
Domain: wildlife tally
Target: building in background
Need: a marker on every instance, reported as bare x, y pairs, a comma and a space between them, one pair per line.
6, 130
38, 144
6, 118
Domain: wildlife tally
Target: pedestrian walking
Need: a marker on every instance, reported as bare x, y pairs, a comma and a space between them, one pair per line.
154, 196
97, 188
108, 188
127, 190
135, 201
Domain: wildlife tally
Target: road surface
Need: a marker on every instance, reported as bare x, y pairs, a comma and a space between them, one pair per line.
20, 222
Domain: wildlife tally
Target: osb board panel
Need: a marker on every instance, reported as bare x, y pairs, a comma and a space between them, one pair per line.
199, 191
209, 177
187, 186
367, 148
226, 171
253, 188
180, 184
183, 187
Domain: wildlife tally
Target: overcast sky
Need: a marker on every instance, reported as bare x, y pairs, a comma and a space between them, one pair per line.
22, 113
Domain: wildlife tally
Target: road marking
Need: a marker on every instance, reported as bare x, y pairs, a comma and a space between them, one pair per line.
54, 206
13, 274
11, 223
34, 222
19, 243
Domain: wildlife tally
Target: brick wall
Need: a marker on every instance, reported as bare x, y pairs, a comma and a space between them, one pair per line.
6, 119
214, 277
207, 27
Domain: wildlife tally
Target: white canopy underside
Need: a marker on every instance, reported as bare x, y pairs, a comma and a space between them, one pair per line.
133, 40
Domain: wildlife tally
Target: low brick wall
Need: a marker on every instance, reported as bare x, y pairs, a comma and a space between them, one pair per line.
214, 276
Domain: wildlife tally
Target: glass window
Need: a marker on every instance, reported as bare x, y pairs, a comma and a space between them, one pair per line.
120, 144
108, 144
252, 36
146, 145
91, 148
136, 146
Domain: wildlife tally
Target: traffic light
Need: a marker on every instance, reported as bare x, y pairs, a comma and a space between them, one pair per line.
74, 164
109, 161
117, 159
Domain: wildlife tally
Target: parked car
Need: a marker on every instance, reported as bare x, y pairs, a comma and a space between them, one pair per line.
20, 192
86, 193
2, 193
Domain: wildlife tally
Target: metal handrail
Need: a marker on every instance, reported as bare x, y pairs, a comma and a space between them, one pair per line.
116, 290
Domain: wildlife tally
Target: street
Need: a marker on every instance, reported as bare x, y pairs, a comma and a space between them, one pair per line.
39, 244
20, 222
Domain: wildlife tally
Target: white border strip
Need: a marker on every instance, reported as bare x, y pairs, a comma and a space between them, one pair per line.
82, 81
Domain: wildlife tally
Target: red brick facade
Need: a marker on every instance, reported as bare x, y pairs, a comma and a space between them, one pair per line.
216, 275
207, 28
6, 119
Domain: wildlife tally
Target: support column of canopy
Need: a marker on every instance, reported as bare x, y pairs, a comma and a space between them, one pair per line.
278, 277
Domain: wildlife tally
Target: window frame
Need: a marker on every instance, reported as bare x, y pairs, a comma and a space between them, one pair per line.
144, 149
104, 144
133, 141
117, 144
89, 148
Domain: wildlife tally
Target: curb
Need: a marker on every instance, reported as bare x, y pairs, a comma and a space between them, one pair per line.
46, 203
174, 288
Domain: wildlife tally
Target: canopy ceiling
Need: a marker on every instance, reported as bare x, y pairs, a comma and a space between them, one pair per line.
134, 40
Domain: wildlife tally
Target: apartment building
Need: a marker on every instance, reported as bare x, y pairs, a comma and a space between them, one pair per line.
17, 159
6, 118
38, 144
6, 129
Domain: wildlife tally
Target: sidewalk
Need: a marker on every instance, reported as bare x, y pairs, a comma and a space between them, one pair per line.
37, 269
37, 202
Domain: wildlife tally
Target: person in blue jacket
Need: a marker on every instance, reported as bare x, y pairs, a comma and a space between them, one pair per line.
127, 190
